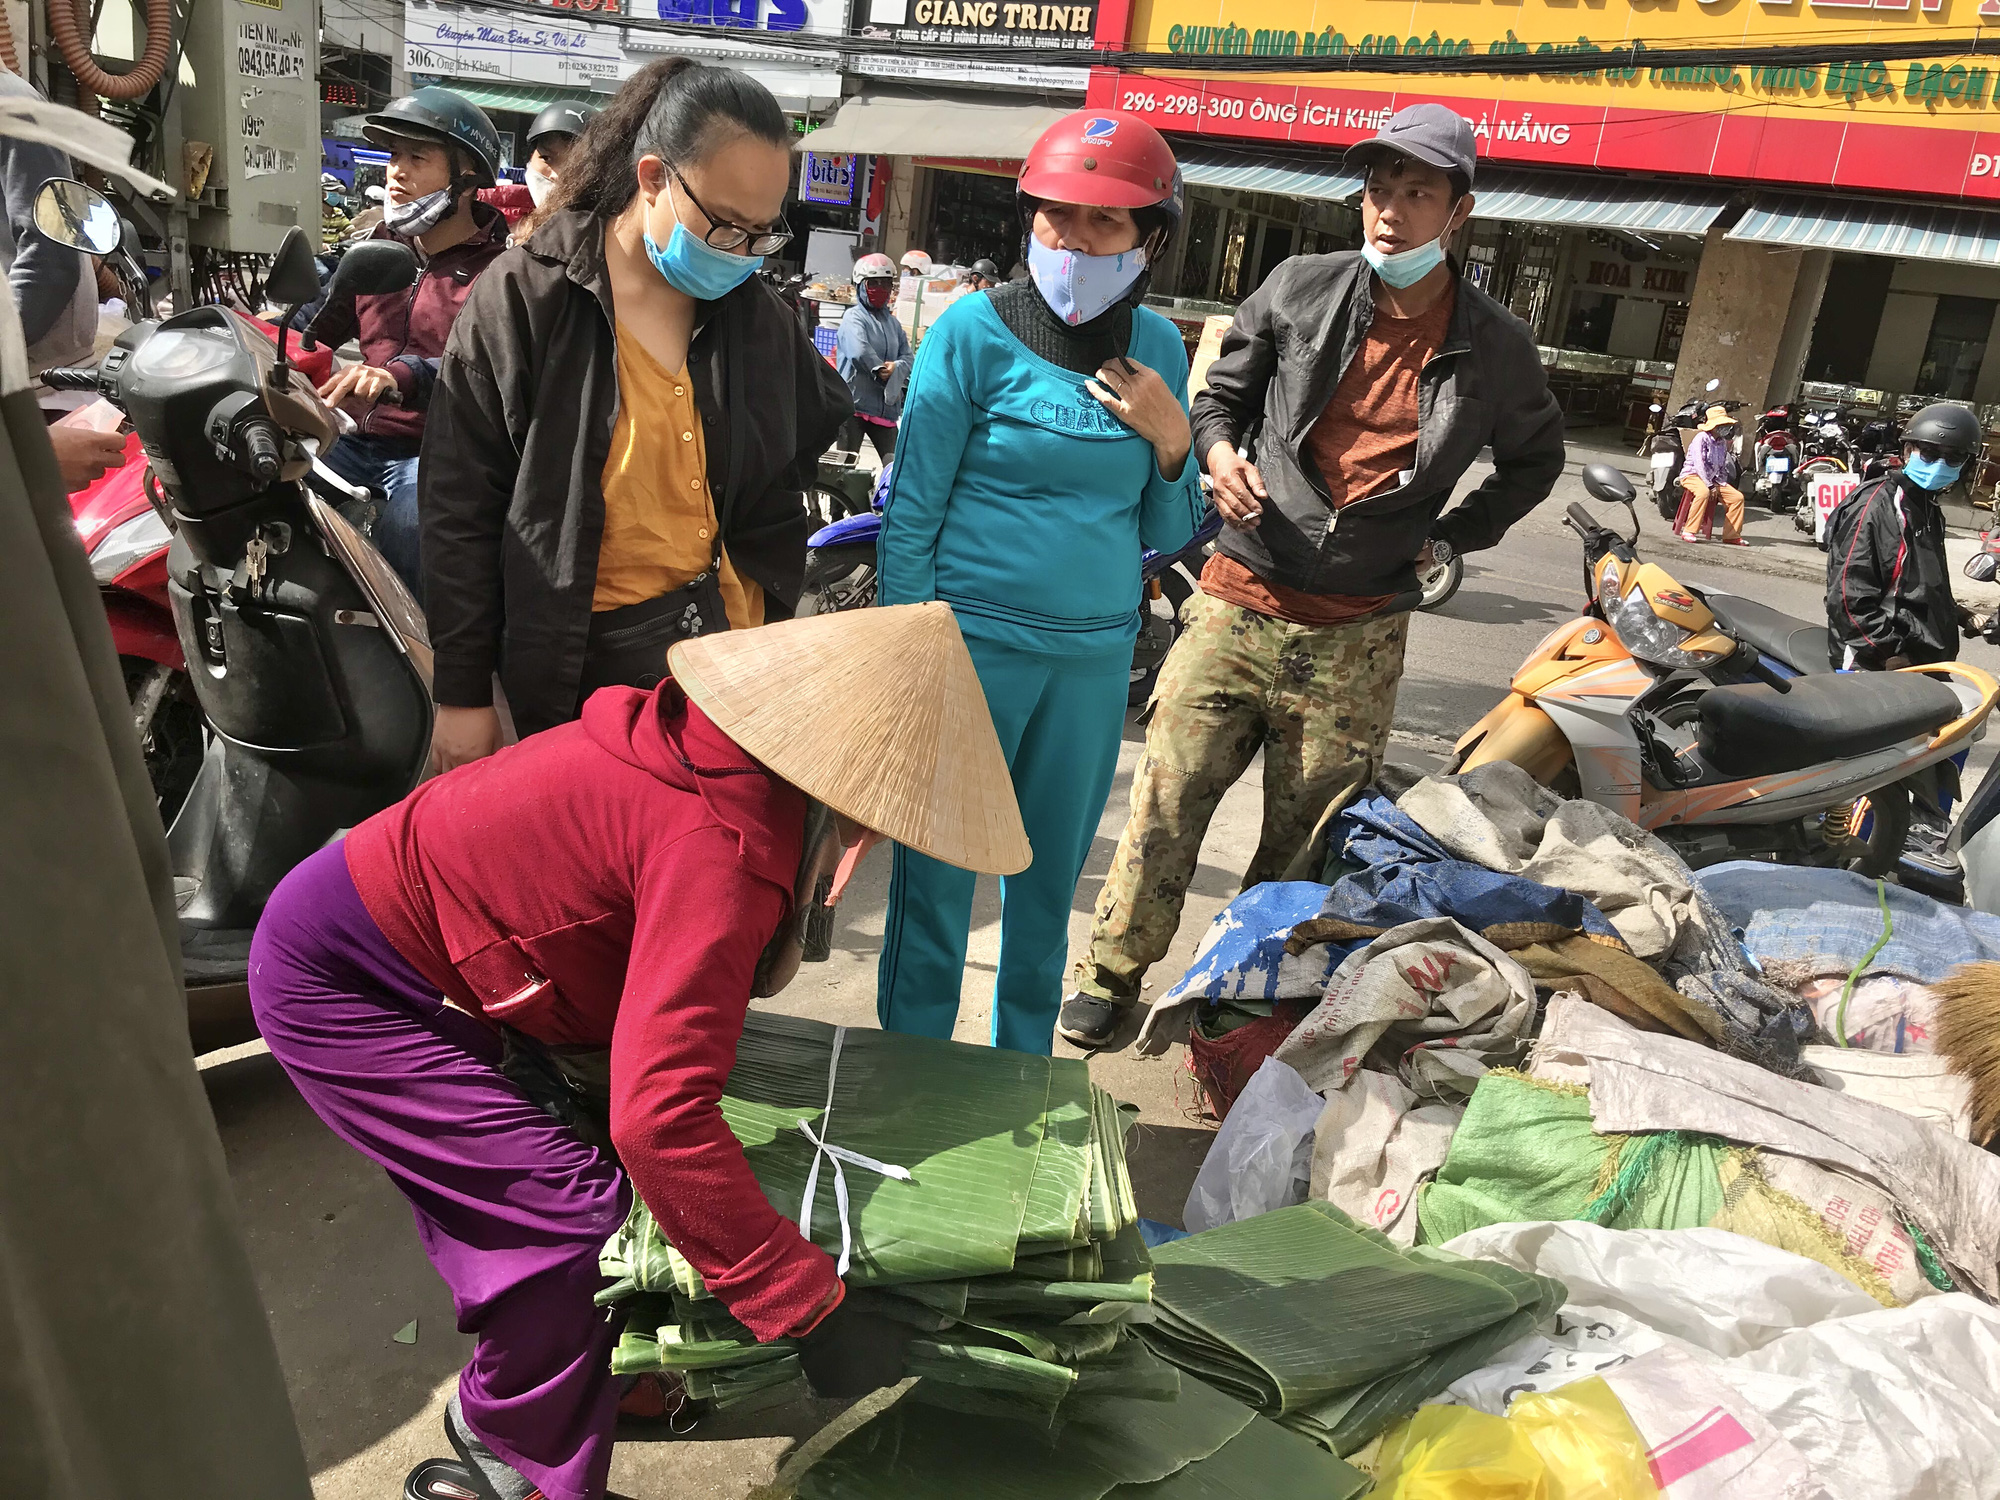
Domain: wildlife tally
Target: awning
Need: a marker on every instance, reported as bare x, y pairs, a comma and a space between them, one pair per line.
1635, 204
522, 98
1500, 193
1251, 174
947, 125
1923, 231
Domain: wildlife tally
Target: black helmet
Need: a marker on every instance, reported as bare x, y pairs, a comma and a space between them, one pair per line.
985, 268
560, 119
435, 114
1952, 428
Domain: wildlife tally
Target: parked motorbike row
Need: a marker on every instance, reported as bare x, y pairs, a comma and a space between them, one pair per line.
1792, 448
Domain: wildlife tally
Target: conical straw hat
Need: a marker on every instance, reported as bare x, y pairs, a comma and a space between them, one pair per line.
878, 713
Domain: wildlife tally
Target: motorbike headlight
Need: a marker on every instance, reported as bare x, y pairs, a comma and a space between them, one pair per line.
128, 542
1651, 638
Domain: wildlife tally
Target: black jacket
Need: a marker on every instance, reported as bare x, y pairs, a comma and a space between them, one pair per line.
520, 423
1888, 589
1281, 361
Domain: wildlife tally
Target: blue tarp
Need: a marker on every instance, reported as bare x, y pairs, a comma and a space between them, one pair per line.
1831, 918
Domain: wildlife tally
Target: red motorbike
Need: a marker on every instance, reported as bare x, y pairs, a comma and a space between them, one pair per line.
125, 535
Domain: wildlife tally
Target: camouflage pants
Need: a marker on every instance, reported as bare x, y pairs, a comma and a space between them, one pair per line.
1318, 700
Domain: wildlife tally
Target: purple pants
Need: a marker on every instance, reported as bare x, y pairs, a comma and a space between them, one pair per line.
512, 1208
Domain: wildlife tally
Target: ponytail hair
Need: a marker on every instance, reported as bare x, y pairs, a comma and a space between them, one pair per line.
676, 109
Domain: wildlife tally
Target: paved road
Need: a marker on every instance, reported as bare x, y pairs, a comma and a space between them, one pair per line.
334, 1245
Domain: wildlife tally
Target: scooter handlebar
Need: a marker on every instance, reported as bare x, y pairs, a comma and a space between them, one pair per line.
64, 378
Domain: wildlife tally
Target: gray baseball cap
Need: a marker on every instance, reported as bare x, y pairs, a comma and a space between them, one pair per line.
1433, 134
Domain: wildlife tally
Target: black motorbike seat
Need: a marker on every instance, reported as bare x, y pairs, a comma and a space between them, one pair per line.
1782, 637
1751, 729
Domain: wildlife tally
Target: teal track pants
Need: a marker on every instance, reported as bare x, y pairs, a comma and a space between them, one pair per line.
1060, 721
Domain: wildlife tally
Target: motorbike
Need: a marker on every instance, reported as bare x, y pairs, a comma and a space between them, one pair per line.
1773, 457
1716, 722
126, 539
308, 657
1826, 448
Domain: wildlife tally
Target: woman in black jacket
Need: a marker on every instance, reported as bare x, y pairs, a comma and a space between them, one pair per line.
625, 418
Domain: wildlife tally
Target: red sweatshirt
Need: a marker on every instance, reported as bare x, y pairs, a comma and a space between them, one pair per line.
614, 881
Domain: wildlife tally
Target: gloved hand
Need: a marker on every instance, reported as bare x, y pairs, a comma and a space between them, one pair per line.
853, 1351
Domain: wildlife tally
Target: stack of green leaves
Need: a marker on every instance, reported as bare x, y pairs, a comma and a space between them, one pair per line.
1200, 1445
1012, 1247
1328, 1328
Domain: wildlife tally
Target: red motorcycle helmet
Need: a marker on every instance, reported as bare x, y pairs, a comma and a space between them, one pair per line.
1105, 158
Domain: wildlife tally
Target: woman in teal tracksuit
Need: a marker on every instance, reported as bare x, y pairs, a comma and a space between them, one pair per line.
1045, 444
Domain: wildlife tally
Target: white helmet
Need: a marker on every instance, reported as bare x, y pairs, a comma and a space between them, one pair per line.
875, 267
916, 263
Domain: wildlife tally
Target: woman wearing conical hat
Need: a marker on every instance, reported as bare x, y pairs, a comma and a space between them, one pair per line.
626, 881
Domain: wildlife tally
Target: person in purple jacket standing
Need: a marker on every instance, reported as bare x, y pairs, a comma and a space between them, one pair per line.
442, 150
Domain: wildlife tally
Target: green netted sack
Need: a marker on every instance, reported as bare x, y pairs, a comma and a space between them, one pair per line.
1526, 1151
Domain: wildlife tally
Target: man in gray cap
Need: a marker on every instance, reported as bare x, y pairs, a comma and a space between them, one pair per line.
1368, 382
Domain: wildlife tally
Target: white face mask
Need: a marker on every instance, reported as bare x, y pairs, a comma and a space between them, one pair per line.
540, 185
419, 215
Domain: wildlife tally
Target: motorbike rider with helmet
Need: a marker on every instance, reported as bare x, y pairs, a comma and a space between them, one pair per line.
442, 149
549, 139
872, 344
981, 276
1888, 590
1045, 445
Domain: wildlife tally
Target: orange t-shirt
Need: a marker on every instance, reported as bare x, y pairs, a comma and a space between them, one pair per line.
1363, 442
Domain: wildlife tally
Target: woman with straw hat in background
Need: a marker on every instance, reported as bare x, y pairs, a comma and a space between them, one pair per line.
605, 899
1045, 444
1710, 476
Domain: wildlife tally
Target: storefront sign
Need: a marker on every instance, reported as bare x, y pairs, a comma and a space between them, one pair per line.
747, 15
455, 43
1930, 126
826, 179
1828, 490
981, 23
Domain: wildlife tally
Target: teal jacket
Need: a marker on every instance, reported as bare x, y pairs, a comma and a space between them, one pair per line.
1019, 499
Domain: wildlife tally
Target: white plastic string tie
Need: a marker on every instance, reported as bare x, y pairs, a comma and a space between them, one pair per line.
824, 1150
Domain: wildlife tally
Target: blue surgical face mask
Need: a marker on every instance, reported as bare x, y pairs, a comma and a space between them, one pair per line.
1405, 267
700, 270
1931, 473
1079, 287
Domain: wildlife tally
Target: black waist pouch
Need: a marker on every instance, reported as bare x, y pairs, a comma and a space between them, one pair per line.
628, 646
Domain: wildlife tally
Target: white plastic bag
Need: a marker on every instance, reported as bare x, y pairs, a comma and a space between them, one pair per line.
1262, 1155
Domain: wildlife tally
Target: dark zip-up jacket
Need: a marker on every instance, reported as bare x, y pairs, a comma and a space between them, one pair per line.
511, 490
405, 332
1888, 589
1281, 362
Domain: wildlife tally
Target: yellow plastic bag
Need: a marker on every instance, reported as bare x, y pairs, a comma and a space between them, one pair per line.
1575, 1443
1591, 1447
1456, 1453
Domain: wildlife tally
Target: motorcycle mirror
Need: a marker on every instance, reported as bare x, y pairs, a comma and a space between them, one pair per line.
293, 279
370, 268
1602, 482
77, 216
1981, 566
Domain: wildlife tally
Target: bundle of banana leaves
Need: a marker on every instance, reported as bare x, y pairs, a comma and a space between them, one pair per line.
1199, 1445
1328, 1328
988, 1205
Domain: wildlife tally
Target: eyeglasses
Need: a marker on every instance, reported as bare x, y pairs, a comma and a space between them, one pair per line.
1935, 453
723, 235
